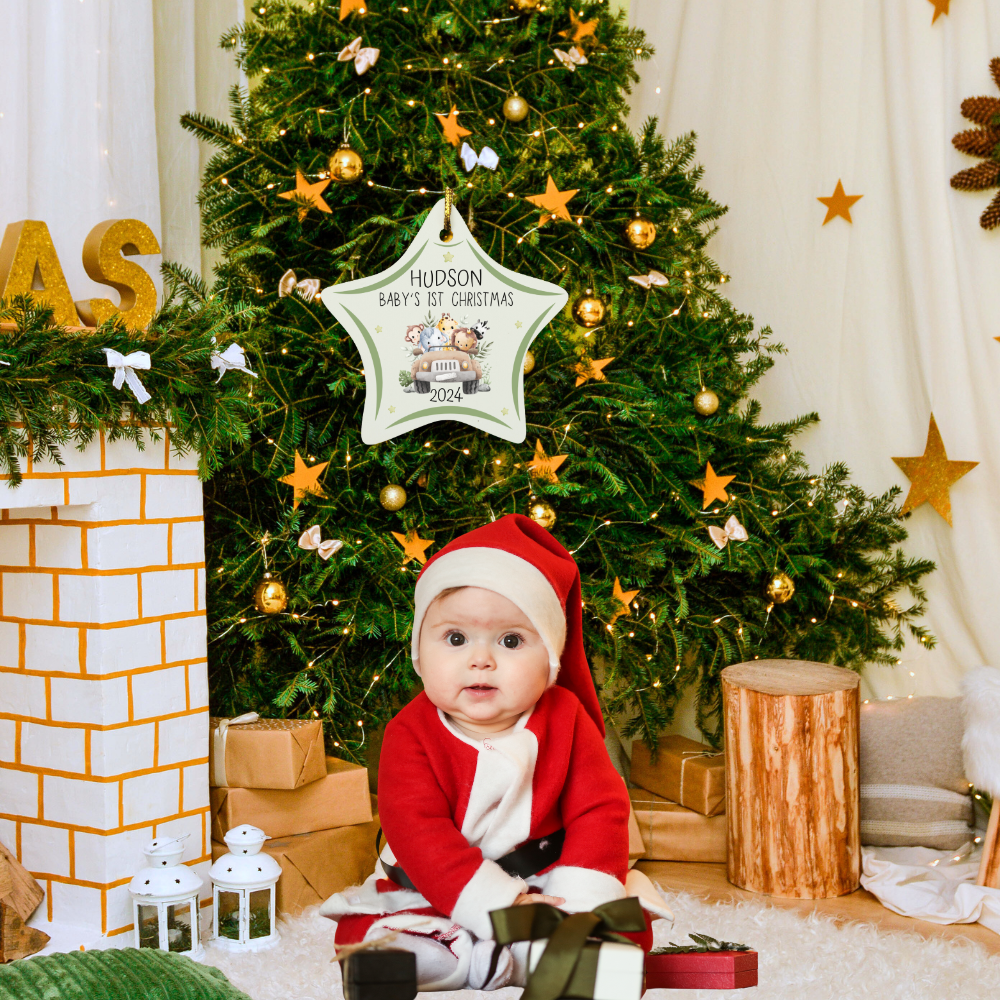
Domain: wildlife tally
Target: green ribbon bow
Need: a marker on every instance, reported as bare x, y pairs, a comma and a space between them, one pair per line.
567, 934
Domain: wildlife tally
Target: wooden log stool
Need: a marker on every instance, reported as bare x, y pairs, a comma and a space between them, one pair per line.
791, 731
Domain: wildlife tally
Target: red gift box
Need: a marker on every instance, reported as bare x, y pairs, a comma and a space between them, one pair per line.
701, 970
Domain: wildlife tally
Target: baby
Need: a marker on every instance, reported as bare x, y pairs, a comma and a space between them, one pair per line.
495, 787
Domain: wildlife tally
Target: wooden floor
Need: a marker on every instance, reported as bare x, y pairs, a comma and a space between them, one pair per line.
709, 882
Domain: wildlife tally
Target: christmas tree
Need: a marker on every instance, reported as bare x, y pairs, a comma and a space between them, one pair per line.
642, 413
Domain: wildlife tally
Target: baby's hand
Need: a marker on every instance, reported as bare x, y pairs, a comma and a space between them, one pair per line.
526, 898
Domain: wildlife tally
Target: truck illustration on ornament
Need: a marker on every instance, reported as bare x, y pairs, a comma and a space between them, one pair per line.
445, 362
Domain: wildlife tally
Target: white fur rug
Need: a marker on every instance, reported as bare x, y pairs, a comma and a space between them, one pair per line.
800, 959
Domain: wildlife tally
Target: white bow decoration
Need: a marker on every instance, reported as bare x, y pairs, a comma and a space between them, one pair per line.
310, 539
571, 59
733, 532
233, 358
487, 158
125, 365
648, 280
308, 288
364, 58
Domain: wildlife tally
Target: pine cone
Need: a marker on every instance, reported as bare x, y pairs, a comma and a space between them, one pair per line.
977, 178
981, 110
995, 69
990, 219
977, 141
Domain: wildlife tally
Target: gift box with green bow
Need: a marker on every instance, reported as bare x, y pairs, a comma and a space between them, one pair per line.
582, 956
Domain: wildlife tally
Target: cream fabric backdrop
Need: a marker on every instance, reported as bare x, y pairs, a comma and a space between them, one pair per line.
887, 319
90, 96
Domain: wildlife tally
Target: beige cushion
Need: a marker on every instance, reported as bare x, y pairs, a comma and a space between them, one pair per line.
913, 787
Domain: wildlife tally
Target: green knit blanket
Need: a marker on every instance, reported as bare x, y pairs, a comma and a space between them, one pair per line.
126, 974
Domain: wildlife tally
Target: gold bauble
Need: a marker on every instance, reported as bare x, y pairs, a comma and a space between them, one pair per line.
706, 402
542, 514
780, 589
270, 597
640, 233
529, 362
524, 6
588, 310
392, 497
346, 165
515, 108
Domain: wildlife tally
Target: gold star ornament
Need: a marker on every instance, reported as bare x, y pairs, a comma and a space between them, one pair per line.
307, 195
591, 370
453, 132
347, 6
713, 487
940, 7
932, 474
624, 599
839, 203
413, 546
543, 466
579, 29
305, 479
553, 201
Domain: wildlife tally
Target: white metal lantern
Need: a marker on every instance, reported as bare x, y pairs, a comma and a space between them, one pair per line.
243, 885
165, 900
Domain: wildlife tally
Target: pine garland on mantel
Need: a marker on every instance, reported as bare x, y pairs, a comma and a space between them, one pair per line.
56, 387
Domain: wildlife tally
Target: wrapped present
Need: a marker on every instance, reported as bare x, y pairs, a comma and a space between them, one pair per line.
581, 955
683, 771
251, 752
380, 974
636, 848
339, 799
707, 965
316, 865
672, 833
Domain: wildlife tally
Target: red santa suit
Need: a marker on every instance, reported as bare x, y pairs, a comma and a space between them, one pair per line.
452, 805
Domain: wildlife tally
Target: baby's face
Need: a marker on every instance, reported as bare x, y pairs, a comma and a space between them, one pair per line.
481, 660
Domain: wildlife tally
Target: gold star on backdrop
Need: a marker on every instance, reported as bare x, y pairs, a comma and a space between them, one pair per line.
578, 29
505, 411
448, 258
839, 203
346, 6
553, 201
713, 487
931, 474
940, 7
453, 132
413, 546
306, 192
543, 466
304, 479
624, 598
591, 370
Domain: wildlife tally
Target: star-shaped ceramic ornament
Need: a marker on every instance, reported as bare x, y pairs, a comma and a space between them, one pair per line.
444, 339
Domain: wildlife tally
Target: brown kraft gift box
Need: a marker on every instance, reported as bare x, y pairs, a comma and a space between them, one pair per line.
672, 833
339, 799
269, 753
316, 865
683, 771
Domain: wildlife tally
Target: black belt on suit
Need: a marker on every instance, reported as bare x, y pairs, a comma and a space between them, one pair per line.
524, 861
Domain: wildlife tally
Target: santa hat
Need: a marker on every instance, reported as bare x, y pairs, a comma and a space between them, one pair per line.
520, 561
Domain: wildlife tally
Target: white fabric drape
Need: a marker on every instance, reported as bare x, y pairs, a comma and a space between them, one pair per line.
77, 133
890, 318
91, 93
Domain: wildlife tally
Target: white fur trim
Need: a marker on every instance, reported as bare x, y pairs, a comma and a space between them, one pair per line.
422, 935
498, 814
582, 888
981, 742
508, 575
491, 888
